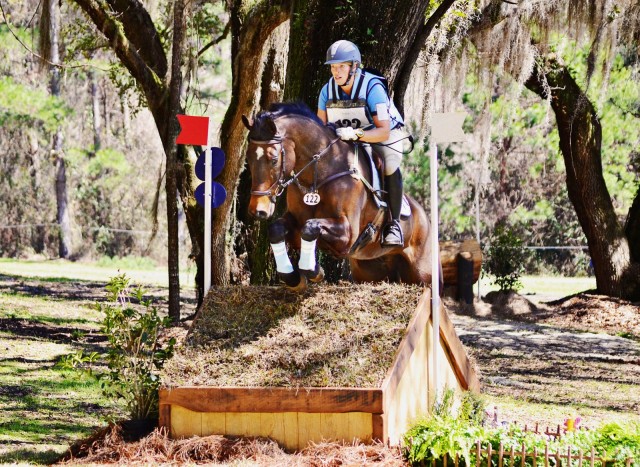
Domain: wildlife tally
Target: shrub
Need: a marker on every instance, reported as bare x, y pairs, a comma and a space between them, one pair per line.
506, 257
135, 354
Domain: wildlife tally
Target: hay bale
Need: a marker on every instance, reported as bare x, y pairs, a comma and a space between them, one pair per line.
331, 336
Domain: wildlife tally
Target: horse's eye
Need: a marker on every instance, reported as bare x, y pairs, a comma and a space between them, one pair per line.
274, 159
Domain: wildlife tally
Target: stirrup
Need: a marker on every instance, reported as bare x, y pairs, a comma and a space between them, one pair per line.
392, 234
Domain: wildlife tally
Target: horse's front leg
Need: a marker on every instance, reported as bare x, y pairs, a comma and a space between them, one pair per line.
277, 233
334, 232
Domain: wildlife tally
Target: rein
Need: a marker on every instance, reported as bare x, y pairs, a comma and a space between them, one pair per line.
278, 187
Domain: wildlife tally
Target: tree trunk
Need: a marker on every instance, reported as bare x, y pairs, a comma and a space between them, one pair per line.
62, 215
253, 240
632, 228
95, 107
35, 171
383, 30
580, 133
249, 33
169, 141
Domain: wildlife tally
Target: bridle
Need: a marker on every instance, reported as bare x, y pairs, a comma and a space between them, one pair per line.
278, 187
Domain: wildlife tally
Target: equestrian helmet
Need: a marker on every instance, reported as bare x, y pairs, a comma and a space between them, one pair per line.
343, 51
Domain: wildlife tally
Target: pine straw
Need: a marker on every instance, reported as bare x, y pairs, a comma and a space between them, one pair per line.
158, 448
331, 336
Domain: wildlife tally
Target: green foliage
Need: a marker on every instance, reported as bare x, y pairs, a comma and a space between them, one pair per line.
455, 192
505, 258
446, 431
21, 105
135, 353
456, 434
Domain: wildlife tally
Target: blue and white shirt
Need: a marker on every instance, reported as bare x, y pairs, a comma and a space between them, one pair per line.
368, 98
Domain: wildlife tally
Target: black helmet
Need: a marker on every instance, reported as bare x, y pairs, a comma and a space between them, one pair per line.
343, 51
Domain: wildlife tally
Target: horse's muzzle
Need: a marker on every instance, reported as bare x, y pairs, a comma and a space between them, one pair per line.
261, 207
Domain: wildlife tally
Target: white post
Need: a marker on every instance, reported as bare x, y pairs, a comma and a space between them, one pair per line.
207, 219
435, 265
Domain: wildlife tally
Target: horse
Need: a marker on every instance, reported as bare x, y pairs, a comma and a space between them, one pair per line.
330, 202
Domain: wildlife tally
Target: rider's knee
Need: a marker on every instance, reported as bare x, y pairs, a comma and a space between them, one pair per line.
276, 232
392, 163
310, 230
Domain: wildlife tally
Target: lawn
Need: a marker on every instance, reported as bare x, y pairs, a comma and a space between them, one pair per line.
141, 271
43, 409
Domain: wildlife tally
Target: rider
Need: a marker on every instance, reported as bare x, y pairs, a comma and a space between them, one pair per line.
356, 101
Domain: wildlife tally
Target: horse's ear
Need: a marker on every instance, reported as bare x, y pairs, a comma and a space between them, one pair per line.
247, 123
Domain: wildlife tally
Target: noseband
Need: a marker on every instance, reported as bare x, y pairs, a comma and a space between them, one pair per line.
278, 187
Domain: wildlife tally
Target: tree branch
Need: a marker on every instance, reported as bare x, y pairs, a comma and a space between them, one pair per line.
140, 30
131, 56
634, 113
414, 51
217, 40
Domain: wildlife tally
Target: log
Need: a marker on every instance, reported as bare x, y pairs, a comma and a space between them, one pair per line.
449, 252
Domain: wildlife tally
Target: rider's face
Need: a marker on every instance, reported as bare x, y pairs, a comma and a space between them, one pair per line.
340, 71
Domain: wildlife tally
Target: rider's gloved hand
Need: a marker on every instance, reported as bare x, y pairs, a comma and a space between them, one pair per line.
346, 134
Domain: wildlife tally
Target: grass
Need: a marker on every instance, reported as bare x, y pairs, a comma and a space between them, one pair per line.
44, 409
544, 287
59, 270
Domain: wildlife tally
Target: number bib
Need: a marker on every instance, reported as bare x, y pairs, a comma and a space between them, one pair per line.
311, 199
348, 113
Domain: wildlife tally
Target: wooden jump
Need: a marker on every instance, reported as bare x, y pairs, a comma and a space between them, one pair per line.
295, 416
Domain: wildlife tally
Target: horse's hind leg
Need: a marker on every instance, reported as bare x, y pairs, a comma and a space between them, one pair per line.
287, 273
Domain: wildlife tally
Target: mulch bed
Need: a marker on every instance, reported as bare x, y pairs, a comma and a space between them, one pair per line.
331, 336
108, 446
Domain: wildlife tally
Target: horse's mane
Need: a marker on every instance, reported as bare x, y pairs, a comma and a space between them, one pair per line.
263, 132
279, 109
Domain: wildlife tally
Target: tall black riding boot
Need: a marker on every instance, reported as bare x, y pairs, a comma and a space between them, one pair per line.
392, 231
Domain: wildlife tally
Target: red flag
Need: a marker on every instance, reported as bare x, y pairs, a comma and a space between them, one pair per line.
195, 130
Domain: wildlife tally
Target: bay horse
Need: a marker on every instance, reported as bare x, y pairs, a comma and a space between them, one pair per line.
329, 205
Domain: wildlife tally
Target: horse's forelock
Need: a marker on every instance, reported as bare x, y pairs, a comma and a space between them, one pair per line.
261, 130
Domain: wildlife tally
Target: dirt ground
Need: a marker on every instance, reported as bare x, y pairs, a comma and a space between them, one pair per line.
577, 356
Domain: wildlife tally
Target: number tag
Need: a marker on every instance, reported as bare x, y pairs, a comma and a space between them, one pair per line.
311, 199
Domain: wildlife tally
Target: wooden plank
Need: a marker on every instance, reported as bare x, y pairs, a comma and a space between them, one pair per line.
360, 427
335, 426
309, 428
164, 420
213, 424
379, 430
242, 424
456, 354
185, 423
259, 399
407, 346
291, 431
411, 398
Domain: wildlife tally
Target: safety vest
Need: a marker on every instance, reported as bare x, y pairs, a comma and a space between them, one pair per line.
354, 112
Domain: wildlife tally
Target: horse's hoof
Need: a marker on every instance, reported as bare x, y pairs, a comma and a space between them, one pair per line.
302, 285
314, 276
319, 277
